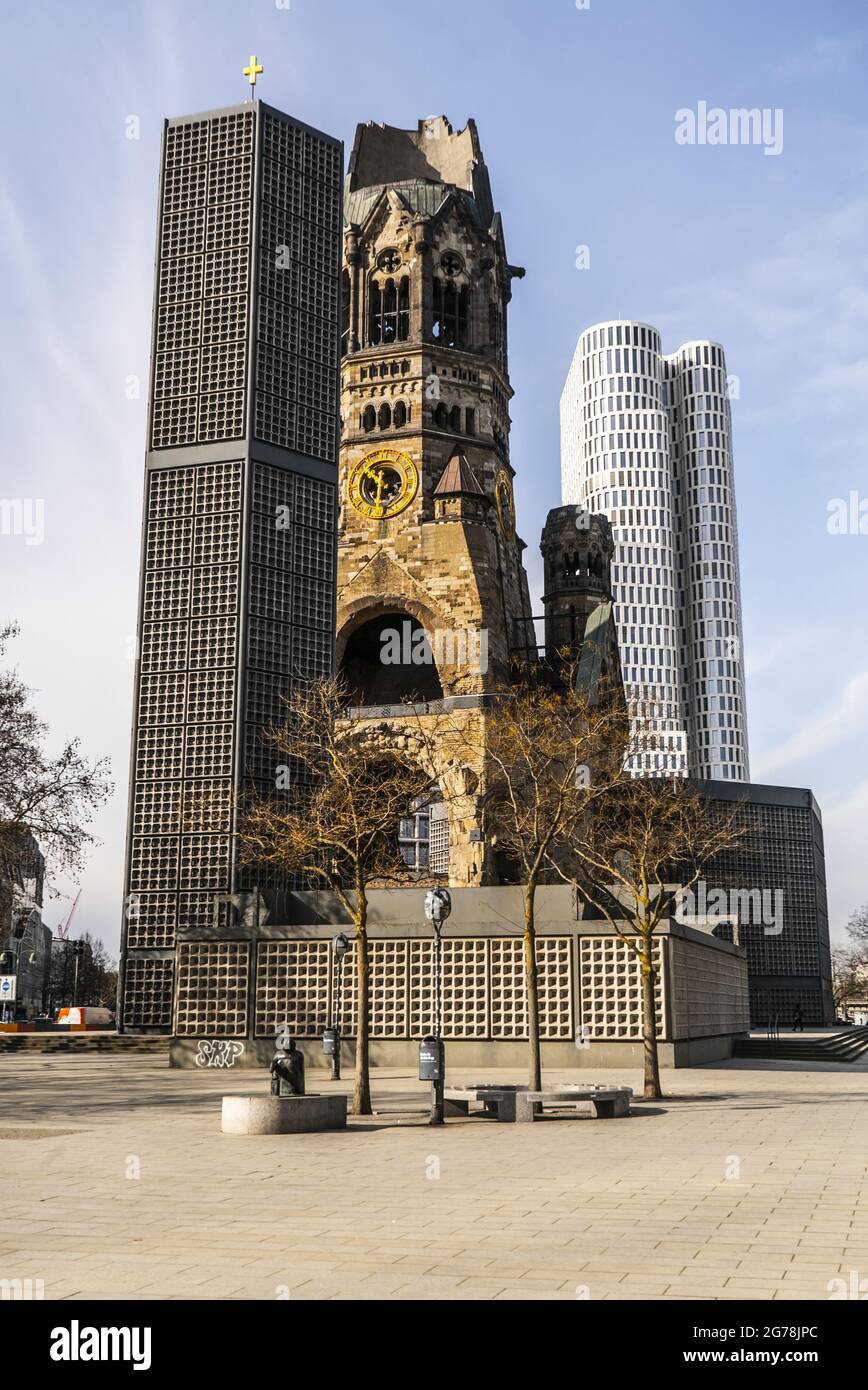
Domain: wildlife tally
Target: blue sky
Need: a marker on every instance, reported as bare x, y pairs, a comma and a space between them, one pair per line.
576, 112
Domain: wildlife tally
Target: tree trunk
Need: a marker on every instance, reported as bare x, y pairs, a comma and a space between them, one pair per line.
649, 1025
362, 1091
532, 989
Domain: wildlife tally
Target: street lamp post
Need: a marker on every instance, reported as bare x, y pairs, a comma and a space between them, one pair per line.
432, 1058
331, 1040
77, 952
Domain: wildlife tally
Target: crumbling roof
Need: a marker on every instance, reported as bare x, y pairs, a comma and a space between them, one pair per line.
425, 165
424, 198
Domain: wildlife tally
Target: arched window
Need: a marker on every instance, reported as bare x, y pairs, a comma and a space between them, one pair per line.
400, 416
404, 309
441, 416
451, 305
390, 312
374, 312
383, 325
384, 419
345, 312
455, 419
369, 418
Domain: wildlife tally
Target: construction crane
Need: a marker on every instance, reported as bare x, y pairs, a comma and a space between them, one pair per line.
63, 929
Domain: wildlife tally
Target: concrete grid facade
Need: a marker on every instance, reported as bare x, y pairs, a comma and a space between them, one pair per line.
646, 440
238, 545
789, 961
590, 985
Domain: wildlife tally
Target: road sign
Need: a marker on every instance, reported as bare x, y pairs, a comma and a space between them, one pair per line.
7, 988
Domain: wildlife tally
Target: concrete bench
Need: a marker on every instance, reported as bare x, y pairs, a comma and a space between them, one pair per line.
495, 1100
608, 1102
283, 1114
513, 1104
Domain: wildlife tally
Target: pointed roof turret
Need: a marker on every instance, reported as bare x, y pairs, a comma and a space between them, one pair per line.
458, 478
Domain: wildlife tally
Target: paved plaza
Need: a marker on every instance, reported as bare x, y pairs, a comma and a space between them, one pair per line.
746, 1182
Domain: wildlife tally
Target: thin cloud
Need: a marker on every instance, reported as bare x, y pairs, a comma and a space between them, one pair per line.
825, 55
846, 717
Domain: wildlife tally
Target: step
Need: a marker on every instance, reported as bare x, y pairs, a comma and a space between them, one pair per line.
90, 1043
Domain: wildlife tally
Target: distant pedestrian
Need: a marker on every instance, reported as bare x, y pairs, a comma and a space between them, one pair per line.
798, 1020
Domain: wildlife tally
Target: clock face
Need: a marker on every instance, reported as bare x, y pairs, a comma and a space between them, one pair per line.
383, 483
505, 503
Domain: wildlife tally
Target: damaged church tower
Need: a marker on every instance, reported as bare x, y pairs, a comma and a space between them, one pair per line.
427, 538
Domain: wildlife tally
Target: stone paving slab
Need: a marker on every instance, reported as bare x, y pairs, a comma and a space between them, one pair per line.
748, 1181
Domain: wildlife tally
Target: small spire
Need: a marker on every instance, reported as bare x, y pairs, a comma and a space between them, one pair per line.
458, 477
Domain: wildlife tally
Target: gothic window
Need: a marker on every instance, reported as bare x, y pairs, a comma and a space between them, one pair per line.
389, 312
404, 309
384, 312
369, 418
389, 317
374, 312
345, 312
441, 416
451, 305
400, 416
455, 419
384, 418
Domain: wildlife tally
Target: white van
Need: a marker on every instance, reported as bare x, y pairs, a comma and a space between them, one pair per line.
85, 1014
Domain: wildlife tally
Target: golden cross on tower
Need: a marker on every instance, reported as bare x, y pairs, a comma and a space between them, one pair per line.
252, 71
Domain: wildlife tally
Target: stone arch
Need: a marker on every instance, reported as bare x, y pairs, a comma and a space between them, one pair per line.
383, 654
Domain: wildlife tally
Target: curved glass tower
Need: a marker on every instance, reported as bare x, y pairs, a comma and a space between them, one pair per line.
646, 440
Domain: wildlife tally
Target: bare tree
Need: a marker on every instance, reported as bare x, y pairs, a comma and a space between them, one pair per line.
548, 751
640, 845
52, 798
338, 827
95, 981
857, 929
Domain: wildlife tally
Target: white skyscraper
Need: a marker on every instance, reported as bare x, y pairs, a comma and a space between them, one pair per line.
646, 440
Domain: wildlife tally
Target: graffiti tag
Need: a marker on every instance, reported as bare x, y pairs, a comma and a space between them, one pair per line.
218, 1053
